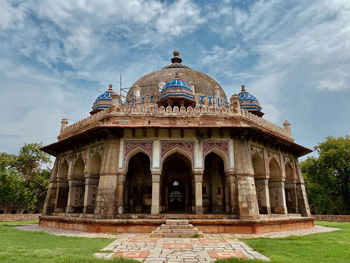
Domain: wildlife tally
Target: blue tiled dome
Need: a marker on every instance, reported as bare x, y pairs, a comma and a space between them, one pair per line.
249, 102
177, 84
103, 101
175, 89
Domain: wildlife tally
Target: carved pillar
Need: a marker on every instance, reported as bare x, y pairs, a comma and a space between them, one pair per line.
291, 197
76, 195
155, 192
91, 184
120, 192
277, 197
106, 192
232, 193
198, 179
262, 192
247, 201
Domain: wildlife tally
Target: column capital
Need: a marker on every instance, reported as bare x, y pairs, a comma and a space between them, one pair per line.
156, 171
155, 178
121, 178
198, 171
198, 178
230, 172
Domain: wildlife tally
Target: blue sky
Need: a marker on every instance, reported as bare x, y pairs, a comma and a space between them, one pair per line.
56, 57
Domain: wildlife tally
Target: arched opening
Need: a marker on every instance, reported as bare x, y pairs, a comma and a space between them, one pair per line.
290, 190
77, 187
25, 212
62, 188
138, 185
213, 188
92, 184
1, 212
276, 188
177, 184
261, 184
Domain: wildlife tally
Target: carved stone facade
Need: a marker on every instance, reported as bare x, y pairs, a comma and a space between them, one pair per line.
137, 159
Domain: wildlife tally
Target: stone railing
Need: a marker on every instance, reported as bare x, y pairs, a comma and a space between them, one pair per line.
265, 123
154, 110
85, 122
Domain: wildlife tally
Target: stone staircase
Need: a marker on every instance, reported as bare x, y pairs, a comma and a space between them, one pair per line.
176, 228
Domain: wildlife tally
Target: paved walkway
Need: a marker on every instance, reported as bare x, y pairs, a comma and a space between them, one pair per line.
159, 250
207, 249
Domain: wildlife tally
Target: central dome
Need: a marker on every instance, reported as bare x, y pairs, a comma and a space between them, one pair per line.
153, 83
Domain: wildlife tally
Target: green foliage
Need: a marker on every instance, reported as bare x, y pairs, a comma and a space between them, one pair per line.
24, 178
327, 177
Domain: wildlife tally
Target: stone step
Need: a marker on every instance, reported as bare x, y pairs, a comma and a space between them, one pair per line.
176, 229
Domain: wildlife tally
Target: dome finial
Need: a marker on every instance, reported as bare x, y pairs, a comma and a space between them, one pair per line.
243, 88
176, 58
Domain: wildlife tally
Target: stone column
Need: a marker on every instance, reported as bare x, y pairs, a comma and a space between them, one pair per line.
232, 193
62, 190
89, 203
262, 191
291, 197
106, 192
120, 192
247, 201
75, 198
51, 195
303, 203
155, 192
198, 179
277, 197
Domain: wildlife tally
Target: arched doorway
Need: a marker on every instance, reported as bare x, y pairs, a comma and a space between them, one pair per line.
62, 188
213, 189
290, 189
177, 184
276, 188
261, 184
77, 187
138, 185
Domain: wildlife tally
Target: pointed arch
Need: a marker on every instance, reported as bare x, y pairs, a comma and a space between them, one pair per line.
275, 170
138, 184
77, 186
62, 187
179, 151
220, 153
177, 181
261, 184
92, 183
214, 188
290, 189
289, 172
78, 168
133, 153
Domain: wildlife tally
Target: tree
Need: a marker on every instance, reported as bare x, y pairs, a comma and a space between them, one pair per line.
24, 178
327, 176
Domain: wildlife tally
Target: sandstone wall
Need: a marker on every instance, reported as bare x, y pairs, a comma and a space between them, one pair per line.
332, 218
18, 217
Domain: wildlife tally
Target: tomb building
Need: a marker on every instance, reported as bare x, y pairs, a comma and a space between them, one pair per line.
176, 147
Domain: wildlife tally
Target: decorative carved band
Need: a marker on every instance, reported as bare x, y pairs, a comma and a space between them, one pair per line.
132, 145
209, 145
186, 146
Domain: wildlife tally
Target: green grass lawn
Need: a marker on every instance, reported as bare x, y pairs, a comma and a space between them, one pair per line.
22, 246
332, 247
